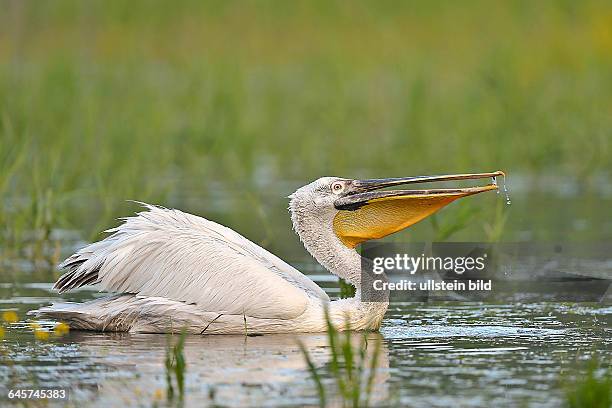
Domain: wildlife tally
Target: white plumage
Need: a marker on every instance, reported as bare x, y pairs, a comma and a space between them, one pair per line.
170, 254
170, 270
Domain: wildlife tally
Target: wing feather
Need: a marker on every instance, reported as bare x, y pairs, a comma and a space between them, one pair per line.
179, 256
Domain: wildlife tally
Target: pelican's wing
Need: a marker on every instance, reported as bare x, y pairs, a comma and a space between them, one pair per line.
172, 254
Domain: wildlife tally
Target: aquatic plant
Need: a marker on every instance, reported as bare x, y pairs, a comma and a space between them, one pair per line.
175, 368
41, 334
445, 226
352, 368
10, 316
494, 229
61, 329
347, 290
85, 125
591, 390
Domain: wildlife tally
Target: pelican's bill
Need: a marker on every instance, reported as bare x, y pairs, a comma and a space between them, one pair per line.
370, 213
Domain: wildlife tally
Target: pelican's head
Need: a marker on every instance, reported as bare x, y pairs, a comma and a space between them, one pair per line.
361, 210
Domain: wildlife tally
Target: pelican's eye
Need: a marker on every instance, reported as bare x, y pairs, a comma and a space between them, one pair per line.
337, 187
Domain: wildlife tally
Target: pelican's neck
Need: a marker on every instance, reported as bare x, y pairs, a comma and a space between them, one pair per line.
316, 233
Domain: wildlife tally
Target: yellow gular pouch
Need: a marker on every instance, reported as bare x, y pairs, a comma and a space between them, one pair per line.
383, 216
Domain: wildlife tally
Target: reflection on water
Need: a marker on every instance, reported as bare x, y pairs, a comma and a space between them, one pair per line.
433, 355
484, 355
234, 370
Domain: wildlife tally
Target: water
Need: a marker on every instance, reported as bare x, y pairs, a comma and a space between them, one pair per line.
504, 186
445, 354
433, 354
508, 202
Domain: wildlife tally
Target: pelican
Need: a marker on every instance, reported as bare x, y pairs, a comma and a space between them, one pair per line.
169, 270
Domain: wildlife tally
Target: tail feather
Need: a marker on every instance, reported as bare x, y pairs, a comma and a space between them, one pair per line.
76, 276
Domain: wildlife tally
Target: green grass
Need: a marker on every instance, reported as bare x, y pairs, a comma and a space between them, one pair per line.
347, 290
352, 368
175, 365
591, 390
101, 101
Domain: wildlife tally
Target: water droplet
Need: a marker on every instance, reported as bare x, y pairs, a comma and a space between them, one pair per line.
508, 202
494, 182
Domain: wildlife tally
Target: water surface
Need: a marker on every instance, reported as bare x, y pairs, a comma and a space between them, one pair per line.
434, 354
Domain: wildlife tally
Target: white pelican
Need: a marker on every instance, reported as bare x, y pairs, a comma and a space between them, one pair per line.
171, 270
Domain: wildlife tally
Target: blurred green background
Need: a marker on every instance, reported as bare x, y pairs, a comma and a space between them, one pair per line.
223, 108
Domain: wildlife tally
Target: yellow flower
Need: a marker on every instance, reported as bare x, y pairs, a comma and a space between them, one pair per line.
158, 394
1, 332
34, 325
10, 316
61, 329
41, 334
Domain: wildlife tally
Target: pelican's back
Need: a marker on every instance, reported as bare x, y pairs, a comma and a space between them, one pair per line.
182, 258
